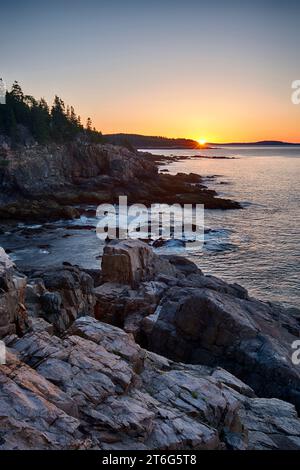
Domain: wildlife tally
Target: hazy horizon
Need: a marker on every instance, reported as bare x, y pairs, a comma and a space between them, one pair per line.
198, 70
207, 143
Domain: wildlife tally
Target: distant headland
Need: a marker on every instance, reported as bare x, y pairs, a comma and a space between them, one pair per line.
151, 142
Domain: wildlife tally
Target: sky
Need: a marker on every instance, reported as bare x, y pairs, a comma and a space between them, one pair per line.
214, 70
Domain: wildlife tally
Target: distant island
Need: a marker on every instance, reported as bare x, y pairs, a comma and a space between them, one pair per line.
278, 143
159, 142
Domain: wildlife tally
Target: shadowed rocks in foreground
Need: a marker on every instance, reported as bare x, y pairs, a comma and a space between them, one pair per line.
96, 388
203, 320
91, 386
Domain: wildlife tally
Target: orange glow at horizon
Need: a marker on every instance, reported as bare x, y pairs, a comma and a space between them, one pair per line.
231, 115
220, 123
162, 72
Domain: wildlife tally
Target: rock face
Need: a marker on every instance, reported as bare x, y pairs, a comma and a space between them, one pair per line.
132, 261
50, 181
60, 295
13, 315
102, 391
201, 320
34, 413
130, 291
36, 171
128, 262
74, 382
44, 182
249, 338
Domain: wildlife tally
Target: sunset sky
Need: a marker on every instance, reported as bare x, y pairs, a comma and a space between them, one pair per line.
179, 69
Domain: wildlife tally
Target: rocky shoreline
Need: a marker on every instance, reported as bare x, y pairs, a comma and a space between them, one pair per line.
50, 182
145, 353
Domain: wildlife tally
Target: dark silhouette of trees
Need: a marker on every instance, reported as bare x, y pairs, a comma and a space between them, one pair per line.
23, 117
89, 124
40, 121
91, 133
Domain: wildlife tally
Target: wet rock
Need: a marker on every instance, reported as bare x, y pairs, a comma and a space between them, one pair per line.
136, 279
30, 210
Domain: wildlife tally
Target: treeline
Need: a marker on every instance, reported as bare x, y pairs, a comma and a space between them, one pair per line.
24, 119
151, 142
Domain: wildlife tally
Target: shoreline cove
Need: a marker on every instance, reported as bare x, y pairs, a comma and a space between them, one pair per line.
147, 352
257, 247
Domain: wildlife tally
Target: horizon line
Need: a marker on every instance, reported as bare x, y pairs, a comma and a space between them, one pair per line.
266, 141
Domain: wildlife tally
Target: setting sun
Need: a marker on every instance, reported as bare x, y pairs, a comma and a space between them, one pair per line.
202, 141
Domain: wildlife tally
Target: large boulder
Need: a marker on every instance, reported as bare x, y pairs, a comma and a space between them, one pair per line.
127, 262
199, 319
134, 280
13, 315
131, 262
249, 338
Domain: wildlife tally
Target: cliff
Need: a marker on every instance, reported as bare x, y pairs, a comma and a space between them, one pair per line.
43, 182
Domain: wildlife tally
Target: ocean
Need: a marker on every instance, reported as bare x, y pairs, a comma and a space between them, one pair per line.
258, 246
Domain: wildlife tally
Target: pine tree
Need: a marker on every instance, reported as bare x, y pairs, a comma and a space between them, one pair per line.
59, 119
16, 92
40, 119
23, 114
89, 124
73, 117
16, 101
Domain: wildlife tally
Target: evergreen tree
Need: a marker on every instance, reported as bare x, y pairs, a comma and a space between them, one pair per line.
68, 114
23, 115
89, 124
16, 101
73, 117
59, 121
16, 92
40, 120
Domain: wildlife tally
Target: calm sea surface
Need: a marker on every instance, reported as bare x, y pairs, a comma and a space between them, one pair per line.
259, 246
